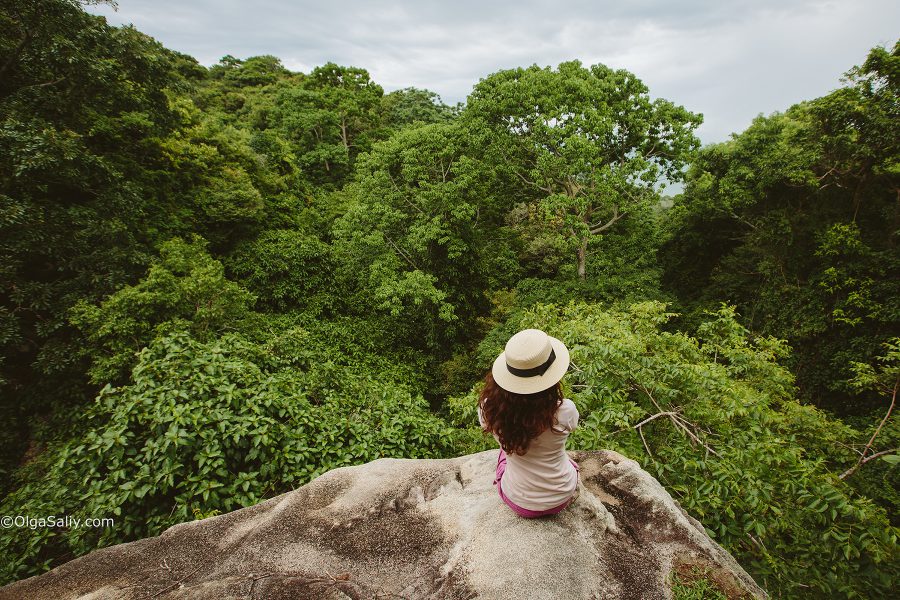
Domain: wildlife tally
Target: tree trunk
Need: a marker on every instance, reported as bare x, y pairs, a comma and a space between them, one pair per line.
344, 137
582, 254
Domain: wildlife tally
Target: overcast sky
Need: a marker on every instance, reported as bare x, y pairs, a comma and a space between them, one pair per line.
727, 59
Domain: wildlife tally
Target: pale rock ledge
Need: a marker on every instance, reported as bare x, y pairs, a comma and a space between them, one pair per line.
398, 528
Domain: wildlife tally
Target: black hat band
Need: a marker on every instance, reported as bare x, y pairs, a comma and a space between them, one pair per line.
534, 371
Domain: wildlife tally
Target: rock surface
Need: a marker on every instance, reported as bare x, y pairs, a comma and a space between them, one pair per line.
398, 528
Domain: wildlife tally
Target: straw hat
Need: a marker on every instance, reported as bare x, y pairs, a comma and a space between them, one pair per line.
532, 362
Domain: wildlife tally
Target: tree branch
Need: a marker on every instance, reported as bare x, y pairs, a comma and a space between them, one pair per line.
681, 423
176, 584
644, 422
403, 195
400, 252
863, 461
862, 457
650, 418
675, 417
547, 189
445, 172
572, 187
595, 228
646, 447
743, 220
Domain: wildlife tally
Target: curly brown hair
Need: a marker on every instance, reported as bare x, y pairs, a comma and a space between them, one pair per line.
517, 418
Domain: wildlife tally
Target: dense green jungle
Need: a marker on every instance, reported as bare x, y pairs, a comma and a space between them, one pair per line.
219, 283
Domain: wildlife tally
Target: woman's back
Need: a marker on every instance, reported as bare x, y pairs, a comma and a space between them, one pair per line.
522, 405
543, 477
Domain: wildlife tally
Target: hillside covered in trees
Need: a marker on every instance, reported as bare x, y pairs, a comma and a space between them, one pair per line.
219, 283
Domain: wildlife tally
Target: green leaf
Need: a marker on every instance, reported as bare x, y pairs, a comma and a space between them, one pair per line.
891, 459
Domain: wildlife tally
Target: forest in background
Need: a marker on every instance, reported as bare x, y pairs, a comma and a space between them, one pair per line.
219, 283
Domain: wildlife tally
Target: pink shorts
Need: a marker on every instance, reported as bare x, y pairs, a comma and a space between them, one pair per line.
524, 512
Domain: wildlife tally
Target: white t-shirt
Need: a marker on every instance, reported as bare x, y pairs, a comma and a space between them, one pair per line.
543, 477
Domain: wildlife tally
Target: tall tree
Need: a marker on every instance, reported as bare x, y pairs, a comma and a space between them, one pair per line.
589, 142
102, 158
417, 236
413, 105
82, 108
330, 119
796, 221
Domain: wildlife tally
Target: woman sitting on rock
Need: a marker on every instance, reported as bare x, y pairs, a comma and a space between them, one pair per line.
522, 405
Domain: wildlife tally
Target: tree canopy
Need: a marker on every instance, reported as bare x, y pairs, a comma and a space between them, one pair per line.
795, 221
588, 142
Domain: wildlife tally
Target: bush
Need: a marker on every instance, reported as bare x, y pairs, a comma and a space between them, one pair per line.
186, 287
285, 269
208, 426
